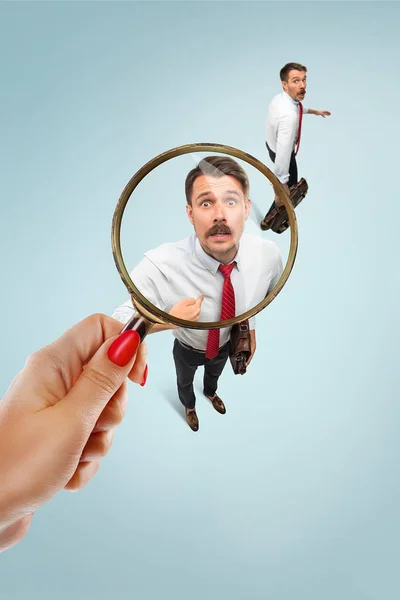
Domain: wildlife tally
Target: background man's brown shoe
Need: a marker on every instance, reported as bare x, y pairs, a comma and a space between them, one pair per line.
217, 403
191, 419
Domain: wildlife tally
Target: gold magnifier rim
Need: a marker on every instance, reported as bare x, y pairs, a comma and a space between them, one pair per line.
146, 308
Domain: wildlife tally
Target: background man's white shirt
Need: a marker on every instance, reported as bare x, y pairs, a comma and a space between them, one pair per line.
282, 130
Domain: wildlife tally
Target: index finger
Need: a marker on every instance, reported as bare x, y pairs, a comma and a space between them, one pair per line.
66, 357
86, 337
77, 346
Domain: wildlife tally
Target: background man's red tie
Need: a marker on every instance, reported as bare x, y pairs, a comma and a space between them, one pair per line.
227, 310
300, 122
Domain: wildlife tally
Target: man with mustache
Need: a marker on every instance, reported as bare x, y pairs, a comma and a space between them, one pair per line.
217, 273
284, 122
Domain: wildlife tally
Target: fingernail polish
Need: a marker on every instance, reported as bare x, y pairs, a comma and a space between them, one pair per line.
145, 375
123, 349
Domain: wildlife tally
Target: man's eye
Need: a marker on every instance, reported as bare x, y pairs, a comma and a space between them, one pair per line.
231, 201
206, 203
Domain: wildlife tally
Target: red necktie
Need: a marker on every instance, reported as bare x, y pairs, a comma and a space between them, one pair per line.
300, 121
227, 310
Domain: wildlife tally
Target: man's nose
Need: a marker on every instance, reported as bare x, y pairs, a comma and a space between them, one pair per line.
219, 213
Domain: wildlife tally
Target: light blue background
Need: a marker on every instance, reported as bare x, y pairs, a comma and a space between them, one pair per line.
293, 493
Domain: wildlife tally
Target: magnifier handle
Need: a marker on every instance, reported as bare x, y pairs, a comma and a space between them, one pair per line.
139, 324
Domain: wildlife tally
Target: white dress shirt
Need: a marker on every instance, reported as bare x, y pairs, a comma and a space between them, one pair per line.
179, 270
282, 130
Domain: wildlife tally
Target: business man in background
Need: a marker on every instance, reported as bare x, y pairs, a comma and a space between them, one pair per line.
284, 123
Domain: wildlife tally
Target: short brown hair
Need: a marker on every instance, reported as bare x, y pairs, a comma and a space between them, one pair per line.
216, 166
284, 74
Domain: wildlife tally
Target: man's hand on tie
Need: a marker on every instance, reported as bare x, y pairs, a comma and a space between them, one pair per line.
187, 309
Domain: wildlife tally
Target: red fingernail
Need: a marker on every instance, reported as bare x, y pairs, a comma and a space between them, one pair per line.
145, 375
124, 348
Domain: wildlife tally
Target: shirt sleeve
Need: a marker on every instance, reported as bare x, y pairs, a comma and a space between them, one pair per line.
124, 312
278, 270
305, 110
148, 279
284, 146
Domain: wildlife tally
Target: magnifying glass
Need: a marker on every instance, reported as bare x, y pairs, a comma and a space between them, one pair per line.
219, 199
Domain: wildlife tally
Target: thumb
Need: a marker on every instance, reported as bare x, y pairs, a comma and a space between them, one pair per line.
199, 300
101, 377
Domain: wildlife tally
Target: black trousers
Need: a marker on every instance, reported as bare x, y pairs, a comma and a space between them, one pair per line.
293, 175
186, 363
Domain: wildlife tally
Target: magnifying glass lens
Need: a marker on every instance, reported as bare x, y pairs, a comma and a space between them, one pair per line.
188, 243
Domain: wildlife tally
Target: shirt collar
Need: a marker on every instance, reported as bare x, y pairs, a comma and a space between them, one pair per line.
290, 98
208, 261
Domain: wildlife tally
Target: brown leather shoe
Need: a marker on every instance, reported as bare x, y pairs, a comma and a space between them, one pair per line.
191, 419
217, 403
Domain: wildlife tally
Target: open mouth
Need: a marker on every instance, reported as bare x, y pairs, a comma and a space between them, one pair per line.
219, 232
220, 236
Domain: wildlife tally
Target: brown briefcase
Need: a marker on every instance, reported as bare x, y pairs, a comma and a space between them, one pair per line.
240, 347
278, 220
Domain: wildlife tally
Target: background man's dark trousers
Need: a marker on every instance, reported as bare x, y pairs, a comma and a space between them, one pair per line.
186, 363
293, 175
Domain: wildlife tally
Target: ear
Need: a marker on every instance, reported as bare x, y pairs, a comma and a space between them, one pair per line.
247, 208
284, 85
189, 212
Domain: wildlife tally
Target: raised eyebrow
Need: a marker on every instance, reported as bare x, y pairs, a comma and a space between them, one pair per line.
207, 193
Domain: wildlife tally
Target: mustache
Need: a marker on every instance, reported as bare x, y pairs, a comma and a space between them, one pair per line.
218, 228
